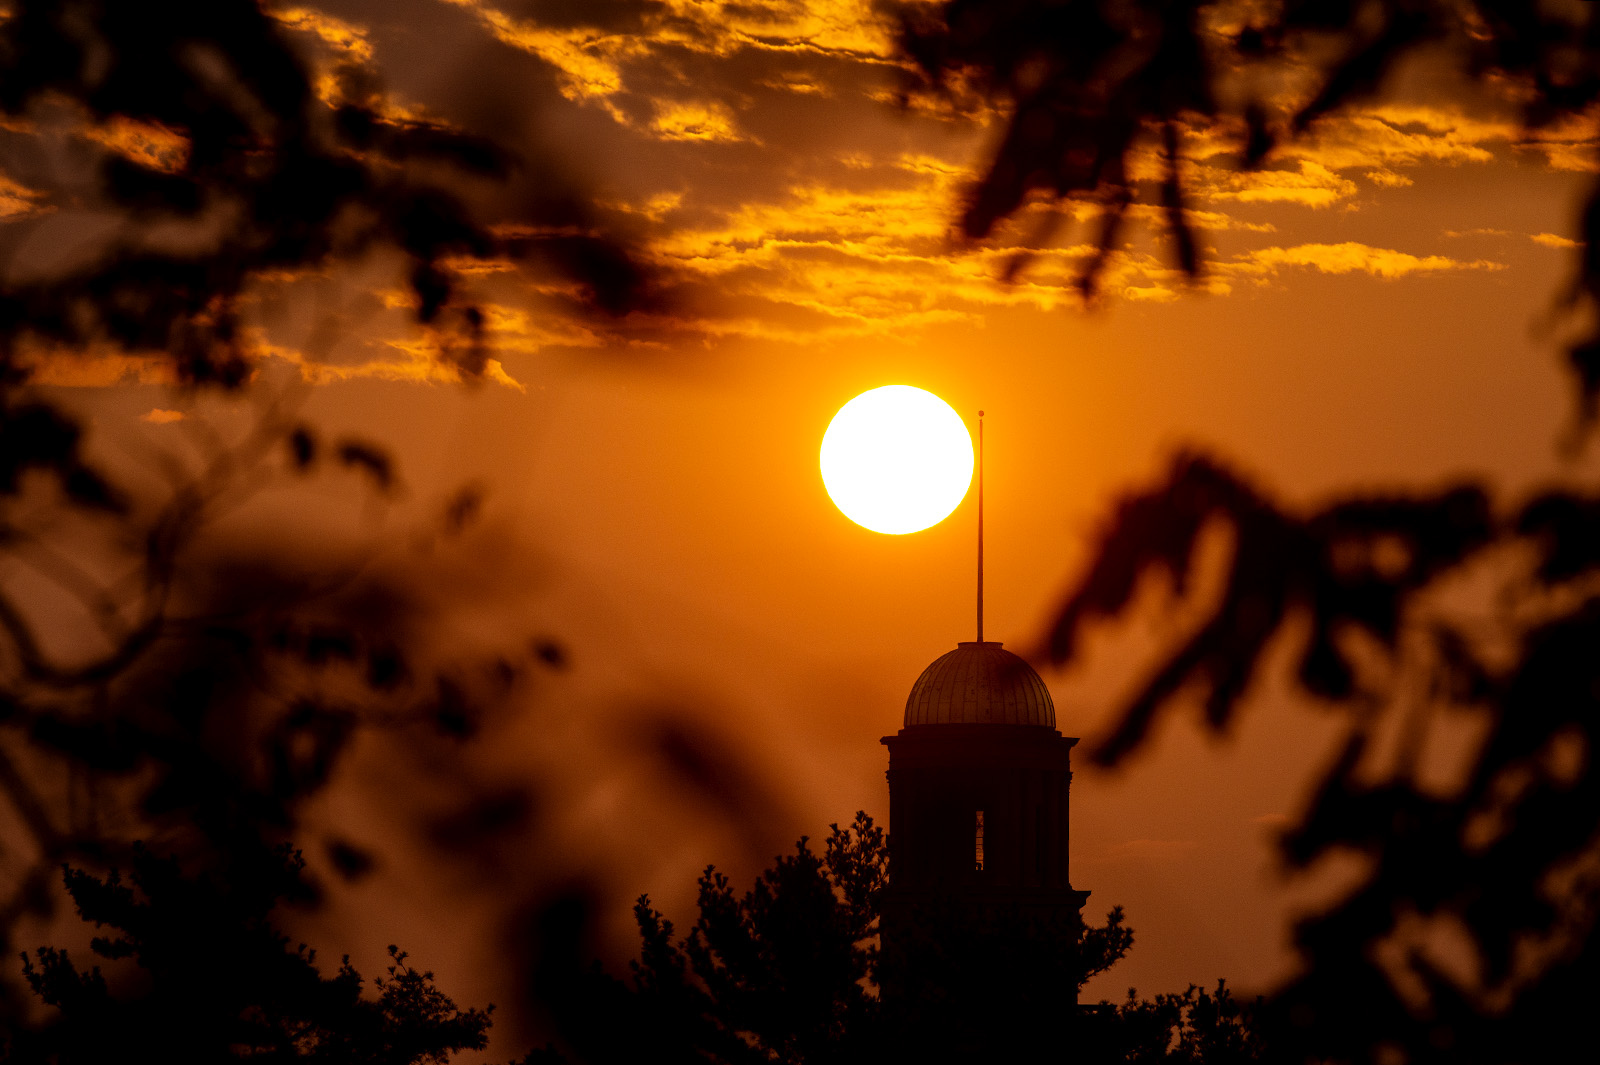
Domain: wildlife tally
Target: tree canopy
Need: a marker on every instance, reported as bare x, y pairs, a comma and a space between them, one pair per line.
189, 153
792, 970
193, 968
1089, 88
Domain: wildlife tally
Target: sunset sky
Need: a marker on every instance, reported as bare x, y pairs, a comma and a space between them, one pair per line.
1379, 308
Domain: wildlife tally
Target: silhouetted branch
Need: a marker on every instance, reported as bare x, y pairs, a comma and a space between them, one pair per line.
1086, 85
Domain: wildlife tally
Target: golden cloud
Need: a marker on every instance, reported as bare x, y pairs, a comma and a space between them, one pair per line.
848, 27
1567, 145
348, 46
1312, 185
695, 122
590, 62
147, 143
1348, 258
1379, 143
1388, 179
1214, 221
18, 201
1555, 240
1578, 158
800, 83
1404, 135
1148, 293
586, 60
417, 360
338, 34
825, 260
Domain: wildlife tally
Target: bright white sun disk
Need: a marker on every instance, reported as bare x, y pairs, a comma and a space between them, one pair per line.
897, 459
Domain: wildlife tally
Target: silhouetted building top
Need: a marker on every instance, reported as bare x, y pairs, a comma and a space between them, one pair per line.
980, 683
981, 921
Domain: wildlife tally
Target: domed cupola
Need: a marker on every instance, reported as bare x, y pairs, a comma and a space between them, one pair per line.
980, 683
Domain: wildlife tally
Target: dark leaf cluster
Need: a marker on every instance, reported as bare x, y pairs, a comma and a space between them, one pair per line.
1085, 84
1194, 1027
192, 967
778, 973
1473, 925
260, 176
224, 687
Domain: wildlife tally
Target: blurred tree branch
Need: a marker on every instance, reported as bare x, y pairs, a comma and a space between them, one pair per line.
169, 158
215, 980
1471, 934
263, 172
1086, 86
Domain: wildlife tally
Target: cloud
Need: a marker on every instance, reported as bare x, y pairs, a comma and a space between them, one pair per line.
1578, 158
1311, 185
19, 201
1148, 293
414, 359
695, 122
802, 83
849, 27
147, 143
1398, 135
876, 256
1568, 145
588, 61
1348, 258
1379, 143
592, 61
1388, 179
831, 216
1555, 240
345, 37
1209, 221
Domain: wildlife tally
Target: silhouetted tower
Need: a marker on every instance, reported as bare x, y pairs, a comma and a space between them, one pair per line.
979, 782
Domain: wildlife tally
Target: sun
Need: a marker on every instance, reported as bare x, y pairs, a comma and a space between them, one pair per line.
896, 459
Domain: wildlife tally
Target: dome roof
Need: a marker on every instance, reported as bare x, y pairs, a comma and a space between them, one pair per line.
980, 684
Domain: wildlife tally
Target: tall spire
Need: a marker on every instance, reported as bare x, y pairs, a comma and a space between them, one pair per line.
980, 526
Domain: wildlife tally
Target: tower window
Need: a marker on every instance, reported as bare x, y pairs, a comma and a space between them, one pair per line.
977, 841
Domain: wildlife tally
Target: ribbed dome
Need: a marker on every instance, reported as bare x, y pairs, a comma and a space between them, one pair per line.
980, 684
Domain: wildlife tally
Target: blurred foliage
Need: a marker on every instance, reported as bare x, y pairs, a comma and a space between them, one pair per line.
1086, 86
158, 681
226, 162
195, 970
221, 691
1453, 633
1466, 783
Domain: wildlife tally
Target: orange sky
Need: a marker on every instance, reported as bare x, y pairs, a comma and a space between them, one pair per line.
1376, 311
